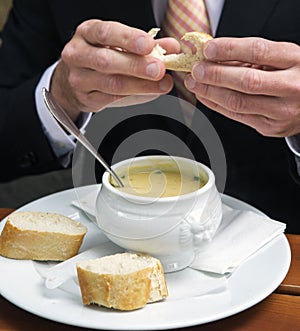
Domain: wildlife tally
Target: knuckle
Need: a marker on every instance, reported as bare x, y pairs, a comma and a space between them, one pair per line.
251, 81
235, 102
203, 92
294, 87
229, 47
103, 32
84, 27
266, 127
206, 91
259, 50
135, 67
81, 28
215, 74
74, 81
103, 59
115, 84
272, 128
290, 50
289, 111
83, 98
68, 54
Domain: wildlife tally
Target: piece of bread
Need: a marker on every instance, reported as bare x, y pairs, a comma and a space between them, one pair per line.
41, 236
124, 281
181, 61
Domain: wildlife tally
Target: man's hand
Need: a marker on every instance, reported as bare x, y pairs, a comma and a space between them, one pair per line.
106, 61
253, 81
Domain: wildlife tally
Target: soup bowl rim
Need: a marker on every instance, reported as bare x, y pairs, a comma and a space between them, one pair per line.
134, 197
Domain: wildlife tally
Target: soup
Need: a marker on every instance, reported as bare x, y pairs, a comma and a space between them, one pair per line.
160, 180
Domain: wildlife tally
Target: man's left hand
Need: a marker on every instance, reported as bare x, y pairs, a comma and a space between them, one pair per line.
251, 80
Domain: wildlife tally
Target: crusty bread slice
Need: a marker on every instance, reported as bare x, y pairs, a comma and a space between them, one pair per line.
181, 61
124, 281
41, 236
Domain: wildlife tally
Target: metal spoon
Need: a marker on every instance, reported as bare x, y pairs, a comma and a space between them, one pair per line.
63, 118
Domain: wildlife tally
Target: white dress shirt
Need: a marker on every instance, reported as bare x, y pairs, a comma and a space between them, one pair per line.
63, 144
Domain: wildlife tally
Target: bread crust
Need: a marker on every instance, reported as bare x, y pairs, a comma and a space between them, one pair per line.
123, 292
18, 243
126, 291
182, 61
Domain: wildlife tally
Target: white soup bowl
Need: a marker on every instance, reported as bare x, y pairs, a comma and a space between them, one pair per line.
168, 228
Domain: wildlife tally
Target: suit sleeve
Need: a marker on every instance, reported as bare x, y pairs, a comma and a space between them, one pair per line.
30, 44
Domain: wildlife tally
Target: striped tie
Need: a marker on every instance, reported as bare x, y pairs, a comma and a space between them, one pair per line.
185, 16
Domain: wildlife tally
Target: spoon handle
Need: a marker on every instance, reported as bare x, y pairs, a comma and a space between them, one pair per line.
63, 118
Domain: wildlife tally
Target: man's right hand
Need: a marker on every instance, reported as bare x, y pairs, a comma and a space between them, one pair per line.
106, 61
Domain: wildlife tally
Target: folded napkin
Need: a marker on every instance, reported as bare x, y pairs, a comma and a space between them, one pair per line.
241, 234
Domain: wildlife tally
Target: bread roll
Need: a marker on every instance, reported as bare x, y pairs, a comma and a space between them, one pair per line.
41, 236
124, 281
182, 61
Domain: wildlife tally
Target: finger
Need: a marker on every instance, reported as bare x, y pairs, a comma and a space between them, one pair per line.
171, 45
264, 125
134, 100
89, 80
110, 61
253, 50
95, 100
115, 34
98, 100
244, 79
240, 103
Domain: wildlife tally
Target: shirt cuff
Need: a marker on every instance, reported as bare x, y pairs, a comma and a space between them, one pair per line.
61, 143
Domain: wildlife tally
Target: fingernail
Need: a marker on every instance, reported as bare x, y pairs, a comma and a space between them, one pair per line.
141, 44
153, 70
210, 51
198, 72
190, 82
164, 85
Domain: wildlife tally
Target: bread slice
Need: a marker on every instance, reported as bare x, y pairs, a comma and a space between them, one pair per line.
124, 281
41, 236
182, 61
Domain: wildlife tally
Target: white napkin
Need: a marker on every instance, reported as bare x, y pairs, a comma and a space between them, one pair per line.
240, 234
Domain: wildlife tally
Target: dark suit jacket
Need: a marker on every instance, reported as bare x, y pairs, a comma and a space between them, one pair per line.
260, 169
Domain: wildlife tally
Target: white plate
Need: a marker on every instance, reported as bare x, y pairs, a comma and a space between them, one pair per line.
253, 281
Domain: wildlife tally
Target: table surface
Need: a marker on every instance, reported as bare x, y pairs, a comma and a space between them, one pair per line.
279, 311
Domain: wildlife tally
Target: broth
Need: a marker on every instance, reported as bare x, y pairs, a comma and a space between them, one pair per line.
161, 180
